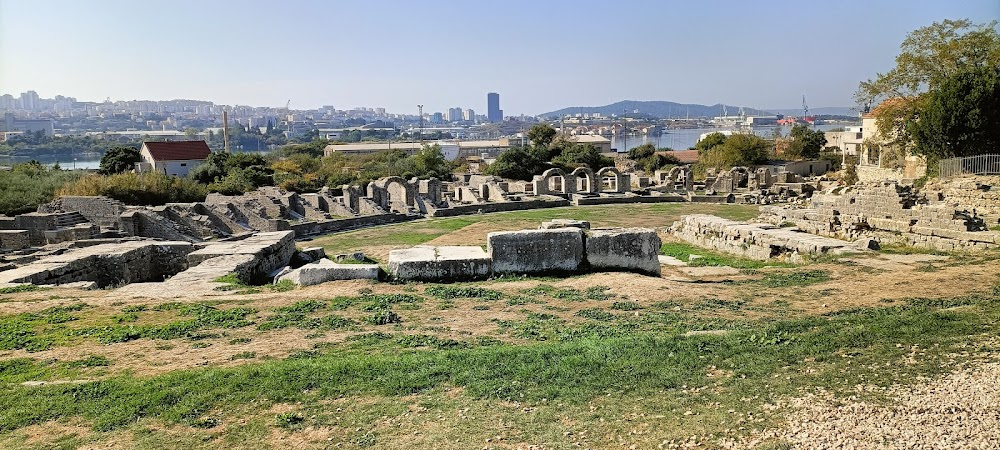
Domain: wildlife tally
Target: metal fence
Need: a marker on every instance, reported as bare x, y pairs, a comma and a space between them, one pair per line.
970, 165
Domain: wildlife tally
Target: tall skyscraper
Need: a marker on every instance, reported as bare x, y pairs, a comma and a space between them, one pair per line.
493, 111
469, 115
455, 114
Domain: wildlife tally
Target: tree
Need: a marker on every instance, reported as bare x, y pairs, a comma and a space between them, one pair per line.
928, 56
737, 150
430, 162
119, 159
961, 116
541, 135
711, 141
519, 163
584, 155
806, 143
649, 160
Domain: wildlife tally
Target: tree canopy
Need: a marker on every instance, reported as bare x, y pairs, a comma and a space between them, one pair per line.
119, 159
961, 117
806, 143
741, 149
928, 57
541, 135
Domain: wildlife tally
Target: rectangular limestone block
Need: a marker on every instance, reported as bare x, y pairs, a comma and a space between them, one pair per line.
536, 251
447, 263
325, 270
632, 249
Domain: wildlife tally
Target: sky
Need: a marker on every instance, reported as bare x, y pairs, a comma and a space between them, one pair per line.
539, 55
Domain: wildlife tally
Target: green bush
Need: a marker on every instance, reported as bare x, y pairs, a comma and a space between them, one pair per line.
28, 185
151, 188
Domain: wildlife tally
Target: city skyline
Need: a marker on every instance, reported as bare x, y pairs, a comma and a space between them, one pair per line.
539, 57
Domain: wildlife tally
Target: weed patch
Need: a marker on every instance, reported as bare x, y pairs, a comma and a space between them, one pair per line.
453, 292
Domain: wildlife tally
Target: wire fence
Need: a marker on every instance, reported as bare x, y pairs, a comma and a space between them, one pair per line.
970, 165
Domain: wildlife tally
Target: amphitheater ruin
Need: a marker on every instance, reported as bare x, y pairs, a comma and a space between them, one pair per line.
102, 242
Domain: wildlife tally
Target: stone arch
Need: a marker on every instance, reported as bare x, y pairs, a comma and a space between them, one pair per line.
612, 180
552, 181
392, 193
741, 176
584, 180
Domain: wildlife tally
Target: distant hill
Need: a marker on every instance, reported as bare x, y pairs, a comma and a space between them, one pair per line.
657, 109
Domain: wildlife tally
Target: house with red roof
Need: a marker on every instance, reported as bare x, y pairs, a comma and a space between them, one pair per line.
175, 158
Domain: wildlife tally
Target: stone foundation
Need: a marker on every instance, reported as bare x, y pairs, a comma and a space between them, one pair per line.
14, 239
106, 264
754, 241
889, 213
270, 251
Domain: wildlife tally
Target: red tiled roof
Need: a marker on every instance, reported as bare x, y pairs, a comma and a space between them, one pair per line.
685, 156
178, 150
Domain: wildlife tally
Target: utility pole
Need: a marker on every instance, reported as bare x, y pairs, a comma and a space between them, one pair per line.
625, 129
420, 112
225, 130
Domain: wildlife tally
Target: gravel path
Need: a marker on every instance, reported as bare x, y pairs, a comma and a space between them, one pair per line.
960, 411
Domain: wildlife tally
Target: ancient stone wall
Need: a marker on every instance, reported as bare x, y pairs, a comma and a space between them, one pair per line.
754, 240
14, 239
106, 264
889, 213
102, 211
270, 251
980, 194
635, 249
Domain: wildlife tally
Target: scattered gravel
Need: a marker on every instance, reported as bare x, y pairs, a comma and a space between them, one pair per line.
960, 411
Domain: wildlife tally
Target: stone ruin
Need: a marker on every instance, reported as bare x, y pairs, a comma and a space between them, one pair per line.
756, 240
870, 214
555, 248
889, 213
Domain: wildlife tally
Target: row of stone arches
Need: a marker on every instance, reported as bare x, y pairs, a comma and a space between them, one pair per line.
582, 180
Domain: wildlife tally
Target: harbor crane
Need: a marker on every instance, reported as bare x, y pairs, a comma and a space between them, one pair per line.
805, 107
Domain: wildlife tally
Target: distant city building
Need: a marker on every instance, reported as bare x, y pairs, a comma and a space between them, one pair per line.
493, 111
437, 118
469, 115
455, 114
29, 100
10, 125
7, 101
172, 158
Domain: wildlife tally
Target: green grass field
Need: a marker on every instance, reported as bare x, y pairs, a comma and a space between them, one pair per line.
593, 361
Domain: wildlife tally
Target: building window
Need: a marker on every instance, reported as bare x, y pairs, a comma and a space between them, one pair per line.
183, 164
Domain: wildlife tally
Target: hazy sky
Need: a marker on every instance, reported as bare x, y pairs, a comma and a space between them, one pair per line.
540, 55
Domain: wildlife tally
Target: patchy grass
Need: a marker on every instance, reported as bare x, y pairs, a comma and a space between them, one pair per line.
233, 283
571, 369
705, 257
452, 292
422, 231
21, 288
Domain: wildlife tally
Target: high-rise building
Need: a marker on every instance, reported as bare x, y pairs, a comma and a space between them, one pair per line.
29, 100
469, 115
454, 114
493, 111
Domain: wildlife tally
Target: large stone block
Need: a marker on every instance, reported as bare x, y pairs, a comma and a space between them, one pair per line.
325, 270
536, 251
14, 239
271, 250
439, 263
632, 249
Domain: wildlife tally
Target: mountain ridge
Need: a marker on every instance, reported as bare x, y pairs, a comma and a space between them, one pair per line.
663, 109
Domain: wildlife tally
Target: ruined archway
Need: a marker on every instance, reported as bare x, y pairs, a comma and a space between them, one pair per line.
553, 182
585, 180
612, 181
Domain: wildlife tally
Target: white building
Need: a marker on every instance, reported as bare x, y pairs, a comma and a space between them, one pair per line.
172, 158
